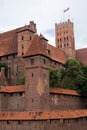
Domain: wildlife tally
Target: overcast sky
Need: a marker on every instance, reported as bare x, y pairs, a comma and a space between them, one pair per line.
45, 13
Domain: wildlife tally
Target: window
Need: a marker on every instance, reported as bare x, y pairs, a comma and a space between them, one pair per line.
60, 40
32, 75
6, 57
67, 39
22, 46
32, 61
22, 53
60, 46
22, 38
20, 122
44, 61
30, 38
32, 100
48, 51
8, 122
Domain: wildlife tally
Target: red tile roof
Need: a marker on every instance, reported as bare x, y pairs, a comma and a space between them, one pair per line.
8, 43
81, 55
21, 88
12, 89
43, 115
37, 46
64, 91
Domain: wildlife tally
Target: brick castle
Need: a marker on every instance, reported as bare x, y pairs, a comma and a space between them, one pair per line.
36, 106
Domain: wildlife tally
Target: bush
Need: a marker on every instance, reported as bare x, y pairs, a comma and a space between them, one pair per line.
21, 80
54, 77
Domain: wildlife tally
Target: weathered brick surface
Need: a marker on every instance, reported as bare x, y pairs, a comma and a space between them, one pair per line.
67, 102
67, 124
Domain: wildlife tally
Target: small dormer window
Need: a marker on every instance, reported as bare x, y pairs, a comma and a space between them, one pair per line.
22, 38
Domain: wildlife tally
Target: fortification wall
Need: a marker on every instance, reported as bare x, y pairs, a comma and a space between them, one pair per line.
15, 68
12, 102
61, 124
62, 99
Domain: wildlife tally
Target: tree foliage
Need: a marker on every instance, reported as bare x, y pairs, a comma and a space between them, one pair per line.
74, 76
54, 77
21, 80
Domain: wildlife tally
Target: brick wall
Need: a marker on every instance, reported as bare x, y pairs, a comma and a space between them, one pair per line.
61, 124
66, 102
12, 102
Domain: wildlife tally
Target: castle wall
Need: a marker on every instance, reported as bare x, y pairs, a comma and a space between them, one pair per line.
67, 102
12, 102
15, 68
61, 124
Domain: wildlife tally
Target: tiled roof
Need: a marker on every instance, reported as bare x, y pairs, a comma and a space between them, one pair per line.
81, 55
63, 91
8, 43
12, 89
43, 115
37, 46
56, 54
21, 88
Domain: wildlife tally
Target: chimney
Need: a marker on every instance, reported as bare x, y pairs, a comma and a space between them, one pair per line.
33, 26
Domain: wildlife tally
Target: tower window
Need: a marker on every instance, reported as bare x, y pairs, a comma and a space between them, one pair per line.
64, 45
32, 61
22, 47
67, 38
30, 38
22, 38
67, 44
60, 46
44, 61
60, 40
48, 51
64, 39
22, 53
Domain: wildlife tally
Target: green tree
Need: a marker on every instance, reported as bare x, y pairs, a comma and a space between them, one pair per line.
73, 75
54, 77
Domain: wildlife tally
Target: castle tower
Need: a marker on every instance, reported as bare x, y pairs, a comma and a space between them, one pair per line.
37, 77
25, 36
64, 38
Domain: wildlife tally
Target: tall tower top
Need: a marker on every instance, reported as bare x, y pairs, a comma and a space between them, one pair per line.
64, 38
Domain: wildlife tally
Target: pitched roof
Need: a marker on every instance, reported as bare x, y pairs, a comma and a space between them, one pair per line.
70, 114
37, 46
8, 43
81, 55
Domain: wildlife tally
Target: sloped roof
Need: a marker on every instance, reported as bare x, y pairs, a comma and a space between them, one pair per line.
37, 46
8, 43
64, 91
81, 55
12, 89
70, 114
